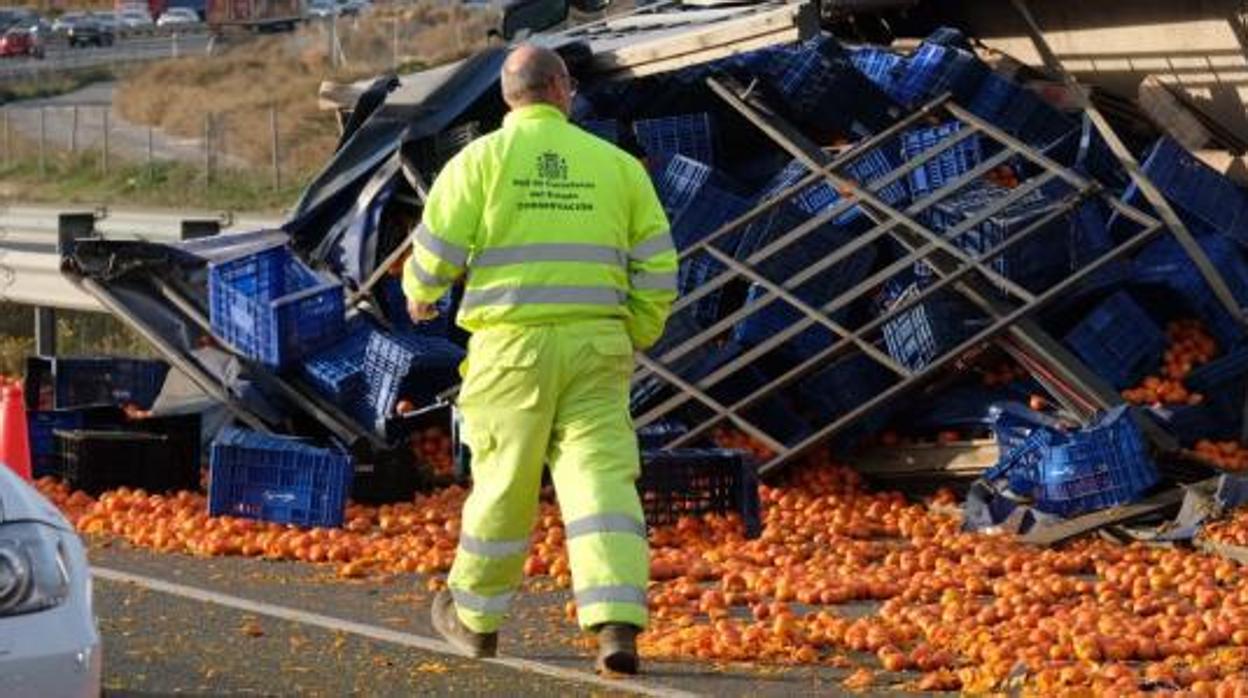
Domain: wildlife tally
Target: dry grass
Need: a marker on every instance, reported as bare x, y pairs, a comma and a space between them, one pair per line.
284, 72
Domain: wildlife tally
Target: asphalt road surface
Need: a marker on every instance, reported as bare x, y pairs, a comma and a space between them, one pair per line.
234, 626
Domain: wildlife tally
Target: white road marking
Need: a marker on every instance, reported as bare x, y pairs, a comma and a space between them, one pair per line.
377, 633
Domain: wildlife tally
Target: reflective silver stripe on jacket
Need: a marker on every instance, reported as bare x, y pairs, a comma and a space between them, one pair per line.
425, 277
653, 281
525, 295
605, 523
449, 252
550, 252
651, 246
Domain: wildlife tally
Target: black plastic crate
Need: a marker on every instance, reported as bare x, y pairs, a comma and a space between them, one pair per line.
42, 425
185, 434
97, 461
692, 482
54, 382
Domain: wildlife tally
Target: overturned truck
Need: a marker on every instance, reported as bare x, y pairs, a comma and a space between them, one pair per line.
858, 228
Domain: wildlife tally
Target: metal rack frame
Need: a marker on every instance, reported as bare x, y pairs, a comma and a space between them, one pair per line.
1006, 303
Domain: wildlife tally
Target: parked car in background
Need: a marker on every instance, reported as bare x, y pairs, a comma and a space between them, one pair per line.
88, 31
62, 24
321, 9
14, 16
106, 20
20, 43
180, 18
49, 640
39, 27
135, 21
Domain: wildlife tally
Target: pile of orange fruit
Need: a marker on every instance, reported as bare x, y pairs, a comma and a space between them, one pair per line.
955, 610
1231, 530
1188, 345
1227, 455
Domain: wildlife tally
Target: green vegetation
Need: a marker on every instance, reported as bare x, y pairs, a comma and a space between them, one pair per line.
79, 178
46, 86
77, 334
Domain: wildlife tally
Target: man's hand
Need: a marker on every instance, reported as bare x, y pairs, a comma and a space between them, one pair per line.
421, 312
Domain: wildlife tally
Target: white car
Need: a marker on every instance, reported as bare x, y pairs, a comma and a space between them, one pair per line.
179, 17
135, 21
49, 642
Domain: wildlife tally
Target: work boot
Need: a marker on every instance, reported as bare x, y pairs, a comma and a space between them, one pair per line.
446, 621
617, 648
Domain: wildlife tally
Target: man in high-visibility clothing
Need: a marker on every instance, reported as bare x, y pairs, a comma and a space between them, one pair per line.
570, 269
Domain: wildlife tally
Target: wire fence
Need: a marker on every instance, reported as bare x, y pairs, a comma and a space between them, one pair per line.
38, 135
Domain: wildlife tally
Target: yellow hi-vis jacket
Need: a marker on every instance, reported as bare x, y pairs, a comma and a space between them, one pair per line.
551, 224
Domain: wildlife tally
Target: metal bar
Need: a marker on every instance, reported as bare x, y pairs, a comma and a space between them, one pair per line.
711, 402
45, 331
987, 333
812, 314
871, 202
324, 411
1078, 379
1154, 197
883, 318
171, 353
817, 173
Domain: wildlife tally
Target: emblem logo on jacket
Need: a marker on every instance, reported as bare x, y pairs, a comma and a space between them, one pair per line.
551, 165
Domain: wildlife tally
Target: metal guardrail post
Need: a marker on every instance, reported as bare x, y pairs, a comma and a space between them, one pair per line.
45, 331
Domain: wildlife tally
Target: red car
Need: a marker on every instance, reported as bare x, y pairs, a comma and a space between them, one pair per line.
19, 42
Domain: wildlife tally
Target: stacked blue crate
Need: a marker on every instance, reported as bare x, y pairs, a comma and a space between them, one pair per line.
698, 199
880, 66
1118, 341
1070, 473
271, 307
786, 263
1164, 266
690, 135
844, 385
934, 69
1207, 201
1223, 382
923, 332
1036, 263
951, 163
819, 85
864, 170
772, 414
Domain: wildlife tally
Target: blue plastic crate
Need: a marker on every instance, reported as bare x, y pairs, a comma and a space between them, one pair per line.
1224, 383
832, 392
1190, 423
408, 367
949, 36
771, 414
698, 200
692, 482
1037, 262
951, 163
884, 68
1084, 150
1034, 121
1207, 201
282, 480
337, 371
920, 334
1118, 341
393, 302
821, 88
816, 291
820, 196
272, 308
606, 129
60, 382
934, 69
690, 135
654, 436
1011, 423
993, 97
1071, 473
1164, 266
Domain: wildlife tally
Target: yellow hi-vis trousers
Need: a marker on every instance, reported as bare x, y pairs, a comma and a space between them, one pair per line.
556, 394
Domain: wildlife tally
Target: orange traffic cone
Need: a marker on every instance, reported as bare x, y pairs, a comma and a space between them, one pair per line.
14, 439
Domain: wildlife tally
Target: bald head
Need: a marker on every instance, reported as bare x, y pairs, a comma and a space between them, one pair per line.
536, 75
